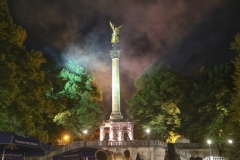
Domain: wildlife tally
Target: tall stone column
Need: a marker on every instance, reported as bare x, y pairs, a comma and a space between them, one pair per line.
116, 111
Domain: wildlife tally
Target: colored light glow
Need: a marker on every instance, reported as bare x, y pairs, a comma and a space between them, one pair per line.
66, 137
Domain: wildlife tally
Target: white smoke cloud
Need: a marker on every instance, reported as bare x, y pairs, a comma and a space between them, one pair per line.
80, 31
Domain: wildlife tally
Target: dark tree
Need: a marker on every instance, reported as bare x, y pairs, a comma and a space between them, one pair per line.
206, 110
23, 104
232, 151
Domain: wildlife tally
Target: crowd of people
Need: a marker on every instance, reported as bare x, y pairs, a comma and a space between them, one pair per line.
170, 154
108, 155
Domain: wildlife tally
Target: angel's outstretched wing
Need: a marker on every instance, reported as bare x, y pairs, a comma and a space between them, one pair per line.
112, 26
119, 27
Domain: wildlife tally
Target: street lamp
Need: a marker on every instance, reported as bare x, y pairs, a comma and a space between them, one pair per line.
148, 132
210, 151
85, 131
64, 139
230, 141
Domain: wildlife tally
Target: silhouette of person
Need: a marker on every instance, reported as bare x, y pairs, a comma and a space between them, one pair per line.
101, 155
127, 155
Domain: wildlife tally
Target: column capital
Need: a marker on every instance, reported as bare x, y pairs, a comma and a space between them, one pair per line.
115, 53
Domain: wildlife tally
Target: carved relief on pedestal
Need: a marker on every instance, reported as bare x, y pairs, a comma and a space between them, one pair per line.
130, 130
117, 131
120, 134
115, 134
102, 134
111, 133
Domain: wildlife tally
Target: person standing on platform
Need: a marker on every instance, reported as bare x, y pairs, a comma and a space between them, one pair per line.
127, 155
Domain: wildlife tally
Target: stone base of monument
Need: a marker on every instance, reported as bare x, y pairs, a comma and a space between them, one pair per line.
116, 131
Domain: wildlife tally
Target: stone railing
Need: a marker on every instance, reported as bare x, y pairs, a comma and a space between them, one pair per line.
160, 144
213, 158
108, 144
182, 153
95, 143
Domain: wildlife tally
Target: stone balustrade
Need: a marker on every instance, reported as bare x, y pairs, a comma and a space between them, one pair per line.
104, 144
213, 158
153, 144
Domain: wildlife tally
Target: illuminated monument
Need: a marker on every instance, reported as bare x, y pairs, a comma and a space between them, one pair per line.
115, 129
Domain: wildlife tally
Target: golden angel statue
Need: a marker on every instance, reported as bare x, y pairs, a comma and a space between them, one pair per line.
115, 33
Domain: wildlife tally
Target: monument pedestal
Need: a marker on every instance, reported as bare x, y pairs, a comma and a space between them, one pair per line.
116, 131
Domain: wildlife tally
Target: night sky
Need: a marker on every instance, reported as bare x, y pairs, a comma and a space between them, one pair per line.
186, 34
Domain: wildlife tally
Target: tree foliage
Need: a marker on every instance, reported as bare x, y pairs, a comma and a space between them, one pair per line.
208, 105
23, 104
79, 97
155, 104
196, 107
232, 151
172, 137
29, 98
